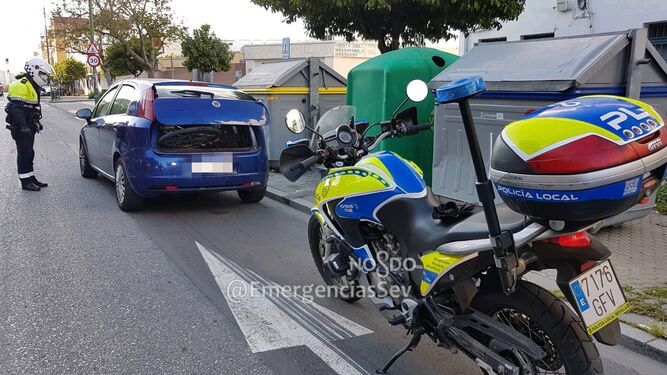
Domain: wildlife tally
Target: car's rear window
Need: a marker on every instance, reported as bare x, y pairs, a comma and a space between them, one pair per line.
203, 92
205, 138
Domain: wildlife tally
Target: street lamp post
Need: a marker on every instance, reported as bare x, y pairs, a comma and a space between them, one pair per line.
92, 40
48, 51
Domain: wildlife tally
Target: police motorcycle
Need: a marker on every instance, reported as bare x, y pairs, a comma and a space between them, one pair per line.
559, 171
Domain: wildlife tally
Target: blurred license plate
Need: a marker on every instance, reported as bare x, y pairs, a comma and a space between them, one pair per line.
213, 167
599, 296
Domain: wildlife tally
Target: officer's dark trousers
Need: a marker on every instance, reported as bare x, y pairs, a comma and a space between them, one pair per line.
25, 154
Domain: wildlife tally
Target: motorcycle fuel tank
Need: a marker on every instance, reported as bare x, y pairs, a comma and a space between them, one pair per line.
365, 187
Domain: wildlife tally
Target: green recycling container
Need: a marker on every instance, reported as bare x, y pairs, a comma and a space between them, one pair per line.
377, 87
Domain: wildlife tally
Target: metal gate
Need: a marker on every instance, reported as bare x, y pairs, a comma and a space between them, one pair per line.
657, 34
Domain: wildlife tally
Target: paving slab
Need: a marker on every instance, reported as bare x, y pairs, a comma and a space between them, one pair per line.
639, 250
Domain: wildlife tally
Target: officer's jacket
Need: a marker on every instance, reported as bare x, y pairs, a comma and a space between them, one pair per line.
23, 91
23, 107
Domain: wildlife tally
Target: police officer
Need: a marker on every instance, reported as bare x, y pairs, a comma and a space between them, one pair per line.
23, 115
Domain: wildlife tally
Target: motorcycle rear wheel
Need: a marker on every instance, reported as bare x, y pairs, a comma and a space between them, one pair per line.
348, 289
549, 322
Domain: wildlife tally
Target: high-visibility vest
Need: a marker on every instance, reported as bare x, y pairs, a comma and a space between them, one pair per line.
22, 90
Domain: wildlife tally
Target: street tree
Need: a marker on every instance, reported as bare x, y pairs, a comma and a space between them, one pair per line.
395, 22
150, 22
205, 52
119, 62
72, 34
68, 71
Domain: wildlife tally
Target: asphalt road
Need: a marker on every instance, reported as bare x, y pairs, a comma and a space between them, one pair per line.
88, 289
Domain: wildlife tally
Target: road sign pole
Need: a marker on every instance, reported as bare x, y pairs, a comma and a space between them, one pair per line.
92, 41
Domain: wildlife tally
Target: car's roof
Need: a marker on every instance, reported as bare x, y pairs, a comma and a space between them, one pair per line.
165, 81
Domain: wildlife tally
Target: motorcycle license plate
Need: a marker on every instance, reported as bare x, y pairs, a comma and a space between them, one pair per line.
599, 296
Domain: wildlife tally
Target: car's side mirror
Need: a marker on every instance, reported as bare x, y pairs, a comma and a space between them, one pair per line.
85, 114
295, 121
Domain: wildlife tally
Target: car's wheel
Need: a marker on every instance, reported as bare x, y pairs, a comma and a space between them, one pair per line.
252, 196
87, 170
127, 199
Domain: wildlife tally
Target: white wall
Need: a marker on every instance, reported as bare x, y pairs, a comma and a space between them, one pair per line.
340, 55
541, 16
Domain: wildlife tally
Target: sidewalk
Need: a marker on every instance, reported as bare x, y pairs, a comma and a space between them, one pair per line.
68, 99
299, 194
639, 251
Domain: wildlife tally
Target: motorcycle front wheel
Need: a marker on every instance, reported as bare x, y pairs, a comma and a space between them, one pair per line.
550, 323
348, 290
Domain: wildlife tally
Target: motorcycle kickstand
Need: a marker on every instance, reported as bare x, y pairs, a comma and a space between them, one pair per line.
408, 348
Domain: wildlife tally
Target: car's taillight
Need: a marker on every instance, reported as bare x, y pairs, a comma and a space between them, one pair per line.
577, 239
147, 105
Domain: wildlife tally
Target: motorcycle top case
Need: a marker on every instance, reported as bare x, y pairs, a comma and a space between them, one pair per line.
580, 161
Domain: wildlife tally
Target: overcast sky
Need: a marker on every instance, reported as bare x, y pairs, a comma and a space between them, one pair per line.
230, 19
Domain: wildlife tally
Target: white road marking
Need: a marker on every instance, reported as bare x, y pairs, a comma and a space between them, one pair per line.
271, 321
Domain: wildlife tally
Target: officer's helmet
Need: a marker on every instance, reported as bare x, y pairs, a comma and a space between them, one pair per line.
39, 70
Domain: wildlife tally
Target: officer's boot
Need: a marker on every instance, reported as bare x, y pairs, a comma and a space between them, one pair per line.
28, 184
40, 184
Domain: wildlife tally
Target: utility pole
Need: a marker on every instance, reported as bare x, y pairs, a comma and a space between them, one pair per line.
48, 48
46, 38
92, 40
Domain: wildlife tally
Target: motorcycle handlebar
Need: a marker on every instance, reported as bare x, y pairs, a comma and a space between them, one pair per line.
310, 161
304, 165
410, 130
378, 140
398, 131
406, 130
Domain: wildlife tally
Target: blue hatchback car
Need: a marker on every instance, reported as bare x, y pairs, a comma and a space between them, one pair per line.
154, 137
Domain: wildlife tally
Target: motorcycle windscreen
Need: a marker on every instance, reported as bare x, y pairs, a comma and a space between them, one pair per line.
290, 161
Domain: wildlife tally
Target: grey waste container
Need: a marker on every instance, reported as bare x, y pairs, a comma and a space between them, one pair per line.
526, 75
284, 85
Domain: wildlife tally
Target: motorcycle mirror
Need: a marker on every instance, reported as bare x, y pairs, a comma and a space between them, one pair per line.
295, 121
417, 90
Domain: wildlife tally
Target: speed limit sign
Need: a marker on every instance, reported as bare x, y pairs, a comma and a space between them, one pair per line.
93, 60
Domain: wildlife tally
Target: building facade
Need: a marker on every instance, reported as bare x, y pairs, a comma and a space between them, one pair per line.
556, 18
342, 56
171, 66
55, 50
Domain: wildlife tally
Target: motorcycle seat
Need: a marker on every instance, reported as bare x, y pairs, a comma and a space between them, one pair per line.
411, 220
474, 227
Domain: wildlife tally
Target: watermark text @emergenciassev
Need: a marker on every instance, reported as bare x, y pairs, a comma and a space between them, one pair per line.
238, 290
